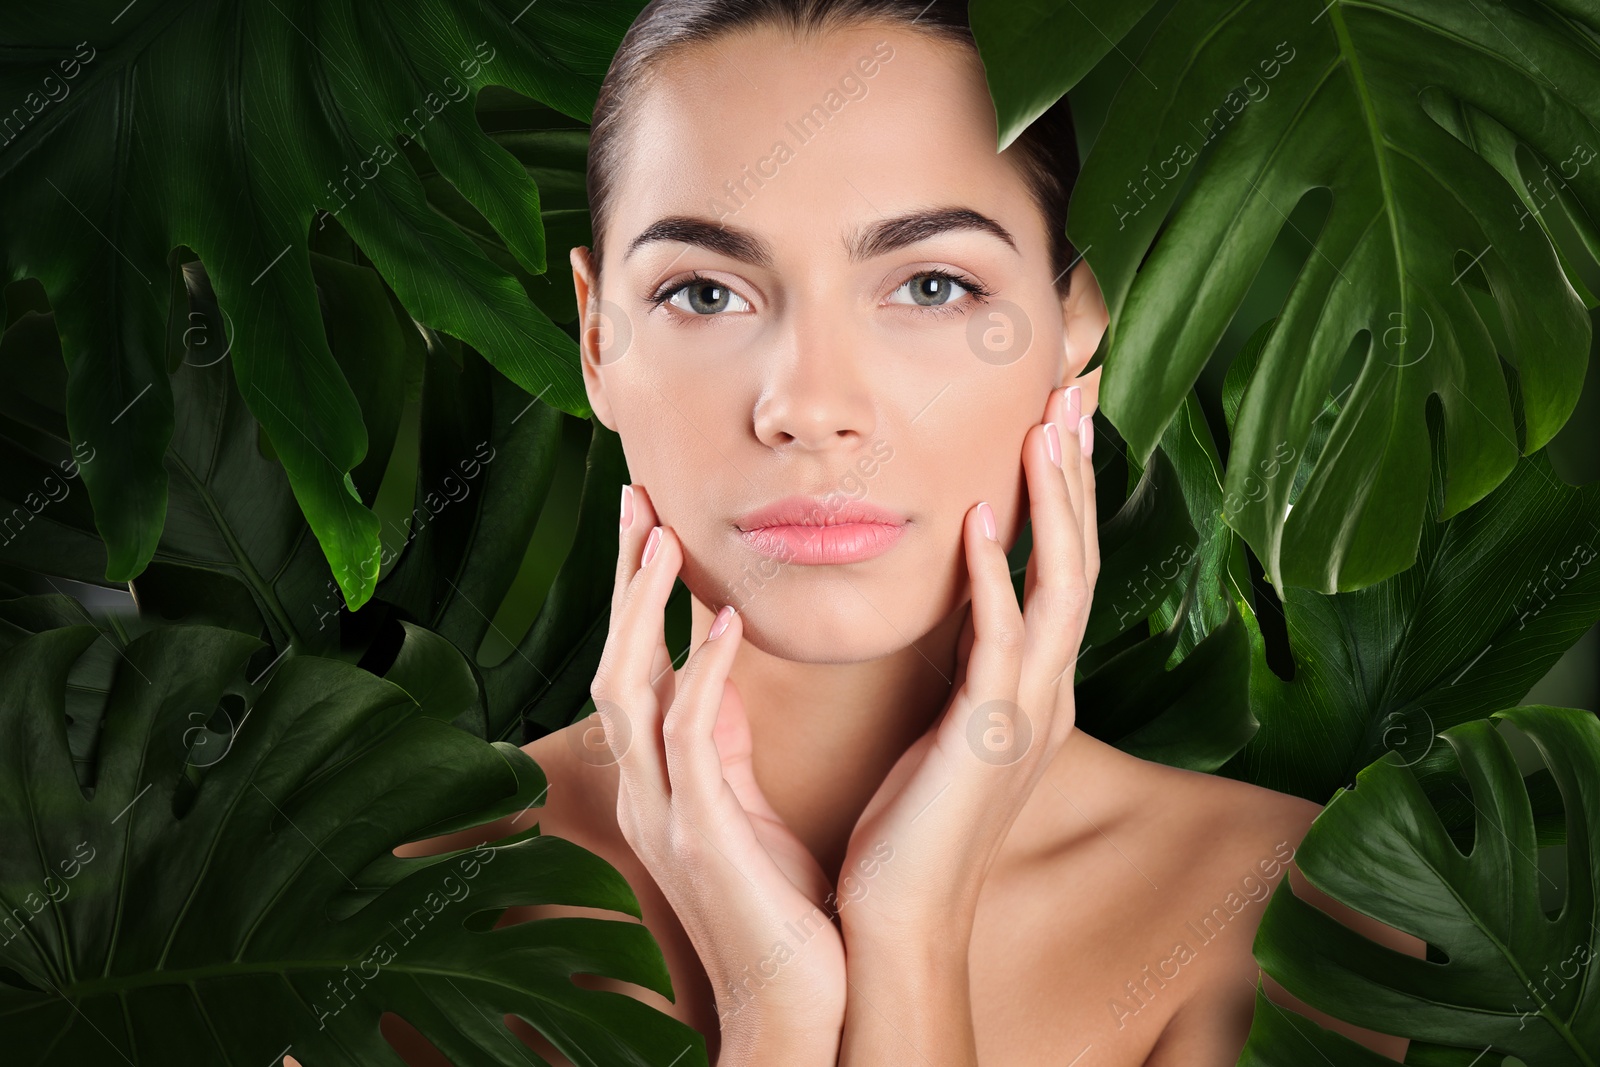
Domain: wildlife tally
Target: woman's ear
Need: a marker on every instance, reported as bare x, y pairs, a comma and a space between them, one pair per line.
589, 338
1084, 320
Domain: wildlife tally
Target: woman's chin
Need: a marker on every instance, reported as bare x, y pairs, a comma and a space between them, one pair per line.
839, 622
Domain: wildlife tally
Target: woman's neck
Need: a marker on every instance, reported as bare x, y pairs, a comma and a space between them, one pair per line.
825, 735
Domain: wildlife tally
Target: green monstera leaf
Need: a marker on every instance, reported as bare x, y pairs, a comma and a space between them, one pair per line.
151, 128
1496, 595
1437, 127
488, 477
236, 549
200, 904
1510, 979
491, 468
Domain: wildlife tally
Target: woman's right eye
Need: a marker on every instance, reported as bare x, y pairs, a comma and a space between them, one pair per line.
704, 297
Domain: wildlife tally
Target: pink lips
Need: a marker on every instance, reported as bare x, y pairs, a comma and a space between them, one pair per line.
803, 529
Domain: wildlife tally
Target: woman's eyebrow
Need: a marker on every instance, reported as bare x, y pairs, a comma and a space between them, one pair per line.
880, 238
888, 235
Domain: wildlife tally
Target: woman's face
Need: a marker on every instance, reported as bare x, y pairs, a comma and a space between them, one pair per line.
790, 307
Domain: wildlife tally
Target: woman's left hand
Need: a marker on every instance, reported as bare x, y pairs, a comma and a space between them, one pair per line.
945, 807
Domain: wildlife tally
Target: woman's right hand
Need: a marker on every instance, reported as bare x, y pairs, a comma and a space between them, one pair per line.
748, 892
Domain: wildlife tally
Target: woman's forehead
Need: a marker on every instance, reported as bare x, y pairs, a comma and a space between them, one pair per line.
864, 121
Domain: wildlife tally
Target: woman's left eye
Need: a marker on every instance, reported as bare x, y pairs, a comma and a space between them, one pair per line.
703, 297
934, 288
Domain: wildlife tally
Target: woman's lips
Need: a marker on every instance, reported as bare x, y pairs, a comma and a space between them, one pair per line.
821, 530
846, 542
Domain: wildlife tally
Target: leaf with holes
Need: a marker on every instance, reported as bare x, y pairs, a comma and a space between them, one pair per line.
218, 910
162, 128
1430, 123
1512, 979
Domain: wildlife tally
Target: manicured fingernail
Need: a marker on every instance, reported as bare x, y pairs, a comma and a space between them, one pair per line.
627, 506
651, 545
721, 622
1074, 406
1052, 442
1088, 437
987, 515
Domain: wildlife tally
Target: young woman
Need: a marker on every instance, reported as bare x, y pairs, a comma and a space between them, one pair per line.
842, 339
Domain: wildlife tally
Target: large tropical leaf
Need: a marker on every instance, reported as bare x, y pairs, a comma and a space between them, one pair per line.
1421, 118
1496, 595
224, 906
161, 129
237, 552
1510, 979
486, 480
236, 549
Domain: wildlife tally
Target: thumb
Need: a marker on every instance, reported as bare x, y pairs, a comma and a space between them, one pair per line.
737, 749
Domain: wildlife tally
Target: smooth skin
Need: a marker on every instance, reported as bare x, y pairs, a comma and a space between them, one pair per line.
832, 871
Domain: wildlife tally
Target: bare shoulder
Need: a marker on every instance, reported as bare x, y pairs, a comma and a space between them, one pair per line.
581, 776
1131, 893
1257, 830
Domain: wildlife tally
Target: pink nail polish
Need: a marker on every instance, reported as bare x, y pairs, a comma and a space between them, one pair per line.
651, 545
987, 515
627, 506
720, 624
1088, 437
1074, 406
1052, 442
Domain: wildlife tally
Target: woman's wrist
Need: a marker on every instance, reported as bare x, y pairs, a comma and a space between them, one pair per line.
937, 936
910, 997
755, 1036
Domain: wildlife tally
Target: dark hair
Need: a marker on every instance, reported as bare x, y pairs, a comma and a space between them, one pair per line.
1046, 151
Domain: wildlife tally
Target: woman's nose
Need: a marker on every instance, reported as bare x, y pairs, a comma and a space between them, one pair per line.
816, 395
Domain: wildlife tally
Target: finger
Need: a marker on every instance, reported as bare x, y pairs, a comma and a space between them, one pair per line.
1068, 417
632, 529
1059, 436
629, 674
1058, 589
994, 665
636, 518
694, 767
963, 651
1088, 512
736, 751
